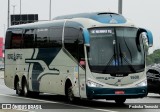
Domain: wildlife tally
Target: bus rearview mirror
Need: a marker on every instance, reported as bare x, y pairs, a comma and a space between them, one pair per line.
149, 36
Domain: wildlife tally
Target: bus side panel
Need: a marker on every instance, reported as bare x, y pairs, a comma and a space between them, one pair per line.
63, 68
15, 64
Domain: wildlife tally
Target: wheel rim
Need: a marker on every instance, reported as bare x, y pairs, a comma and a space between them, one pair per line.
18, 88
25, 90
70, 94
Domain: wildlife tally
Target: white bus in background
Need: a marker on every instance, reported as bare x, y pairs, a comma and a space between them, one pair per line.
88, 55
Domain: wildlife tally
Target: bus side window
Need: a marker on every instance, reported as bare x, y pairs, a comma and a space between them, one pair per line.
73, 42
41, 38
81, 47
16, 38
8, 40
55, 37
28, 38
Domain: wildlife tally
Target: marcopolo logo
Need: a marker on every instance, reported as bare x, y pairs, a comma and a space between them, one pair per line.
14, 56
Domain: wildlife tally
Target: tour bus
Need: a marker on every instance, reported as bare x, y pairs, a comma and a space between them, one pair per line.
87, 55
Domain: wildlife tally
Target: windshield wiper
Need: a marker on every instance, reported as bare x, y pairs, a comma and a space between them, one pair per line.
111, 59
125, 59
127, 48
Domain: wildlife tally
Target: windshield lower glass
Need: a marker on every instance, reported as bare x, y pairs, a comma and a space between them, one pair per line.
115, 50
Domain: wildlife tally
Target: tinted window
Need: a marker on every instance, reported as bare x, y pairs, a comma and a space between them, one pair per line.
41, 38
16, 38
8, 39
55, 37
73, 42
28, 38
34, 38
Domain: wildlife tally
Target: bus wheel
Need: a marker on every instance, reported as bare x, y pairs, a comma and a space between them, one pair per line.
25, 89
18, 90
120, 101
70, 94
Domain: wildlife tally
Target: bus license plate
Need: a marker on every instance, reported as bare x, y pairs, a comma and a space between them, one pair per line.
119, 92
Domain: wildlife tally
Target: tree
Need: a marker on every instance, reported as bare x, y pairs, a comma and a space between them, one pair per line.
153, 58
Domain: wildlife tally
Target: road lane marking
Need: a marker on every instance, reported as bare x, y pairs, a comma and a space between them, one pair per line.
28, 98
104, 110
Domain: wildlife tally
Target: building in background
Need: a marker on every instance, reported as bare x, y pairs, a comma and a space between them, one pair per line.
17, 19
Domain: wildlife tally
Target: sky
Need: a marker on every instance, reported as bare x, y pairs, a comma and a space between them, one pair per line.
144, 13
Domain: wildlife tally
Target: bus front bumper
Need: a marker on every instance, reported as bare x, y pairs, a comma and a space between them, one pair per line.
111, 93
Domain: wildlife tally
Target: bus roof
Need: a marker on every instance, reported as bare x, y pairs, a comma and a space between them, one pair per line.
86, 20
39, 24
102, 17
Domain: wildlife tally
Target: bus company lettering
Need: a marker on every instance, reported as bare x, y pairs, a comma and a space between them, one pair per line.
105, 78
134, 77
101, 31
14, 56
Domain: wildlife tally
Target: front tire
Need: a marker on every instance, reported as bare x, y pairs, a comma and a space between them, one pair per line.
70, 95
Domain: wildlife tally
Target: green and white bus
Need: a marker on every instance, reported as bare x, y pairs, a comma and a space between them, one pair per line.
88, 55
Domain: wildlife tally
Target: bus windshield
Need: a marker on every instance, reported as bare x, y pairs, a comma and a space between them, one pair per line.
115, 50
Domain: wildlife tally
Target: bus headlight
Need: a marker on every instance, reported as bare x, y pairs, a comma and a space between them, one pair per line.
93, 84
143, 83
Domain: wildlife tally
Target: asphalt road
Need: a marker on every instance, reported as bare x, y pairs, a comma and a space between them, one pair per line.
56, 103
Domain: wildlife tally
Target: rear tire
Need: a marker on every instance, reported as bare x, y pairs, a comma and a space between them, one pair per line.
18, 89
25, 90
